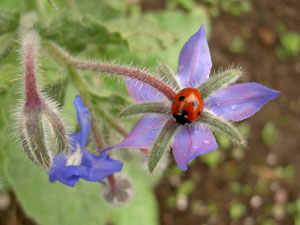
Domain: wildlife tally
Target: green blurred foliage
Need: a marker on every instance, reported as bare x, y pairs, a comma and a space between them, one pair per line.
212, 159
294, 209
289, 46
186, 187
237, 45
268, 134
75, 32
234, 7
237, 210
9, 21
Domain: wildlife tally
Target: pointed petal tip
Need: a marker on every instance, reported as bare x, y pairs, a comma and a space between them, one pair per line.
77, 100
182, 167
240, 101
194, 63
202, 29
277, 93
191, 142
106, 148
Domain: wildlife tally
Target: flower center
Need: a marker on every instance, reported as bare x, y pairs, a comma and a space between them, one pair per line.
187, 105
75, 158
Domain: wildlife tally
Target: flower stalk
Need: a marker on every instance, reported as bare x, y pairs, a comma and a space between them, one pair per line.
123, 71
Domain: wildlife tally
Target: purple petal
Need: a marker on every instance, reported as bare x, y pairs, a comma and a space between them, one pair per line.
84, 119
103, 166
143, 134
191, 141
240, 101
68, 175
142, 92
92, 168
194, 61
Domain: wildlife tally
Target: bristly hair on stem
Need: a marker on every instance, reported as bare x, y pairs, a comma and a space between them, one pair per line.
124, 71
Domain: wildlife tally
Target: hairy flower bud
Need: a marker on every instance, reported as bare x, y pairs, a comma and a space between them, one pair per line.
119, 191
40, 127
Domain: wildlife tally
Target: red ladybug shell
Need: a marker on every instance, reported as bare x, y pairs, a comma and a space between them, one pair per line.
187, 106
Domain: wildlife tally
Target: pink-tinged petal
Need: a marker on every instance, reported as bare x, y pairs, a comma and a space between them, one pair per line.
143, 134
142, 92
191, 141
240, 101
194, 61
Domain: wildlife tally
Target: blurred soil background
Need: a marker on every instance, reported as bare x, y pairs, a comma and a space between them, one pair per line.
259, 185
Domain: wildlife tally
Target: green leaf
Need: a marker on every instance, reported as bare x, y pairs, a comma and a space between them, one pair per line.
5, 43
8, 74
9, 21
161, 143
76, 33
157, 36
143, 206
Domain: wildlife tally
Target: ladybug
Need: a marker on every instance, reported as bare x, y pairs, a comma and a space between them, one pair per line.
187, 105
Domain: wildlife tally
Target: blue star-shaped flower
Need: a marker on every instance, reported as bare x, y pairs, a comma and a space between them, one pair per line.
234, 103
80, 163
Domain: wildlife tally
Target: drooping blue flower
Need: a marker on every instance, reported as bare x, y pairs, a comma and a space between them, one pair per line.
80, 163
236, 102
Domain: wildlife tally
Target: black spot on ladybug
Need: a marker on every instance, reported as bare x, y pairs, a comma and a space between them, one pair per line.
181, 119
199, 113
195, 103
183, 112
181, 98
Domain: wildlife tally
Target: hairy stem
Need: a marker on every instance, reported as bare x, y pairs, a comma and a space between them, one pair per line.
123, 71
